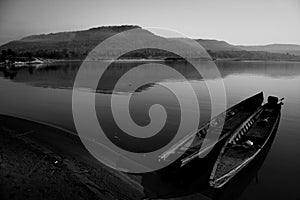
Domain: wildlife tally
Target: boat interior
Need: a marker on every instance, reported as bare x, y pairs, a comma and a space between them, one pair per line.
234, 117
250, 138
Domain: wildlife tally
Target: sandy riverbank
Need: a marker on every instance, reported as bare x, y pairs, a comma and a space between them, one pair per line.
40, 162
26, 173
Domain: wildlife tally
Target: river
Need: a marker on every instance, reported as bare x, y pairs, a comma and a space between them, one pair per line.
44, 93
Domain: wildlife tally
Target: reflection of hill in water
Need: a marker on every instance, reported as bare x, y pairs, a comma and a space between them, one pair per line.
270, 69
62, 75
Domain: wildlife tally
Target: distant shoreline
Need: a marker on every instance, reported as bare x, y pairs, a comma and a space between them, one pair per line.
51, 61
174, 60
171, 59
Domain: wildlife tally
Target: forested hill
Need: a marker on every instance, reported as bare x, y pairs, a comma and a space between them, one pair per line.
77, 44
275, 48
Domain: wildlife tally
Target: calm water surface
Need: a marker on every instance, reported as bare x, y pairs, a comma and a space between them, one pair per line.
44, 93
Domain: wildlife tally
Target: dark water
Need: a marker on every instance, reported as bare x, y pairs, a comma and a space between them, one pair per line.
44, 93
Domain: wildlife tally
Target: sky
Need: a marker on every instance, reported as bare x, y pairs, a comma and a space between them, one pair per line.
239, 22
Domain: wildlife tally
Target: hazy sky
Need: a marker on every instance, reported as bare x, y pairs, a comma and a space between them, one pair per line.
235, 21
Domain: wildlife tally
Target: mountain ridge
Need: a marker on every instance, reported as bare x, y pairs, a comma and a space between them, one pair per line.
273, 48
77, 44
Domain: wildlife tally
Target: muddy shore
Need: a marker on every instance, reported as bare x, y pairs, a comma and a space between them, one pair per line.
40, 162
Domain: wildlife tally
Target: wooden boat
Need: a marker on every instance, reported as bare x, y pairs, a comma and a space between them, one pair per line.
208, 136
246, 142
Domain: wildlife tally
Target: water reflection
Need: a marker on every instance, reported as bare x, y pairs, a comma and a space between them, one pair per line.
269, 69
8, 73
62, 75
